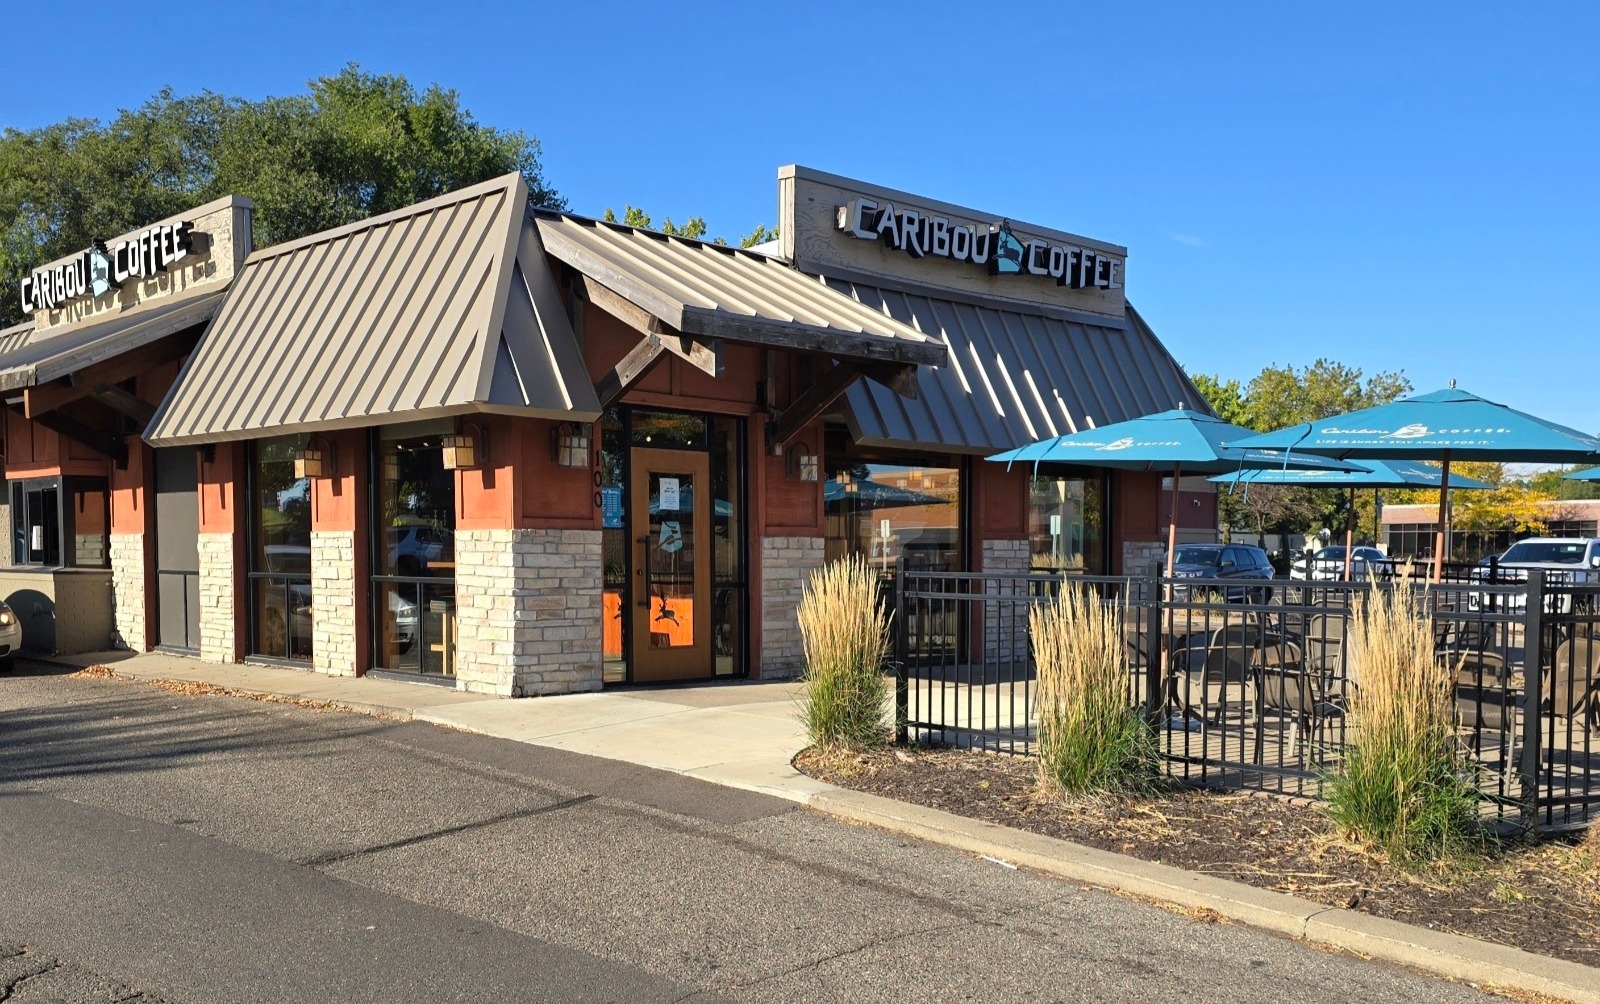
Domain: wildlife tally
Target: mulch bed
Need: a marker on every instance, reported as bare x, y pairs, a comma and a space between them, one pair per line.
1544, 899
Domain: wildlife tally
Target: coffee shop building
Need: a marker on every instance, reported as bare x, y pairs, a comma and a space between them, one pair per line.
524, 452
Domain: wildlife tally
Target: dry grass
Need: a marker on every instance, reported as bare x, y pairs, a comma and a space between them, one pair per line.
1090, 738
1403, 788
844, 631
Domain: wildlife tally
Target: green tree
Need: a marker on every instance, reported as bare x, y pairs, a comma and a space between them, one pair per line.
1279, 396
354, 145
695, 229
1224, 396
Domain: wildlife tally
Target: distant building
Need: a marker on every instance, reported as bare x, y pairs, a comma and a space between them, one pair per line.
1408, 530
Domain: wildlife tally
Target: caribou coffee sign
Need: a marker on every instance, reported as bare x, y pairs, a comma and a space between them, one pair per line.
995, 247
101, 269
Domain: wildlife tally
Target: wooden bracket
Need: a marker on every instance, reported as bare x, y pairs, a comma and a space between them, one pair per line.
50, 396
102, 443
703, 354
812, 402
629, 370
127, 403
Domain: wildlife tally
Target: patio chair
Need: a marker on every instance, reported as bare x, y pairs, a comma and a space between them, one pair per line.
1574, 686
1302, 696
1222, 658
1485, 704
1324, 644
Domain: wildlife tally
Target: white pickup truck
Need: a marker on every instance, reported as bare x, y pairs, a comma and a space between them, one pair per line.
1565, 561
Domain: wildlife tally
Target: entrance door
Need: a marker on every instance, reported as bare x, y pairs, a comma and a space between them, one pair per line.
672, 497
177, 548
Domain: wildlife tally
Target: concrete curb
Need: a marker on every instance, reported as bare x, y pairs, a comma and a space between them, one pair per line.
1435, 952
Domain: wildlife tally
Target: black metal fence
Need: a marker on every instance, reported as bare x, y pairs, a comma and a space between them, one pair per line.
1249, 683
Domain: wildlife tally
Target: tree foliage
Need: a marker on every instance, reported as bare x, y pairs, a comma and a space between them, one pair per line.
1514, 504
1279, 396
695, 228
354, 145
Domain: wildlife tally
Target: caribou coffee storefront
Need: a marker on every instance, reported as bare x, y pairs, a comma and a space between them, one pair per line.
519, 452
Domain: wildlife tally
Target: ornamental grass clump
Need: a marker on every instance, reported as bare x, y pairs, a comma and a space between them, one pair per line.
1091, 739
1404, 786
844, 631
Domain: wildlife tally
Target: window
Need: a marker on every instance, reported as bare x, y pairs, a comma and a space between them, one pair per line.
1066, 524
280, 551
63, 521
868, 514
414, 555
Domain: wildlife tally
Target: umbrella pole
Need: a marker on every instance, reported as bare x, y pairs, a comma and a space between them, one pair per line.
1443, 532
1349, 533
1172, 520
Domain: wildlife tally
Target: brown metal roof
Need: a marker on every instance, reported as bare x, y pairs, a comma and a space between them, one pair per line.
1014, 376
15, 337
62, 351
715, 291
444, 308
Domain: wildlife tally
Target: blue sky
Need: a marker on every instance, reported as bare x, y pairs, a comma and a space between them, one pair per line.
1395, 186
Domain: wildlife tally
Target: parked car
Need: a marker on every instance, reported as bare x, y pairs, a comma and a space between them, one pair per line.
1327, 565
1222, 561
1565, 561
415, 549
10, 636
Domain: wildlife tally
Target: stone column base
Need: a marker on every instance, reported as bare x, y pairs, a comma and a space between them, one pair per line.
529, 611
219, 597
786, 563
333, 602
128, 591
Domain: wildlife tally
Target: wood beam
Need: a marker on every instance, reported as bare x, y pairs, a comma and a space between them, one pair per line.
126, 402
629, 370
103, 443
50, 396
598, 268
812, 402
705, 356
811, 338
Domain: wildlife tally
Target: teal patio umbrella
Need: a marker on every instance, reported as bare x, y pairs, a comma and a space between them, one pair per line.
1587, 474
1169, 441
1379, 474
1444, 425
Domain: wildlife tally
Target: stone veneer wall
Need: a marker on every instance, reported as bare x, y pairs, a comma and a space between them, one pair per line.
528, 611
218, 597
127, 590
1143, 557
333, 602
785, 564
1005, 619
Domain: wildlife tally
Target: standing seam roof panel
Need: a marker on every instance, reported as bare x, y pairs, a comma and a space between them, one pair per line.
1018, 367
400, 317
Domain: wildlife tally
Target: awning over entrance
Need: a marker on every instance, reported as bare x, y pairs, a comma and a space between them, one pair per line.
710, 291
41, 357
444, 308
1014, 376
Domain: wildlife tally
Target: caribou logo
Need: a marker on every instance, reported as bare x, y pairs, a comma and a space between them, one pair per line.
1415, 430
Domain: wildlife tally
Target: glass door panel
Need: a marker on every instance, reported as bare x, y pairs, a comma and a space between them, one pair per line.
672, 565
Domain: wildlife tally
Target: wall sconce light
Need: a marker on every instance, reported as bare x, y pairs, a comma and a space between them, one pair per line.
847, 482
391, 467
314, 461
569, 444
466, 449
803, 464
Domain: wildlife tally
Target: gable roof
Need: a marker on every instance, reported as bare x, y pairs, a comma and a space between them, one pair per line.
716, 291
443, 308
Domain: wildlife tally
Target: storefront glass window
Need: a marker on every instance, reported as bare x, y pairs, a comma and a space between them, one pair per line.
892, 511
414, 559
280, 551
614, 541
727, 560
668, 430
1066, 525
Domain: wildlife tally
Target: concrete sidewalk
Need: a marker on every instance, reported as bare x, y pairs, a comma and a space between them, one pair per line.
744, 734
